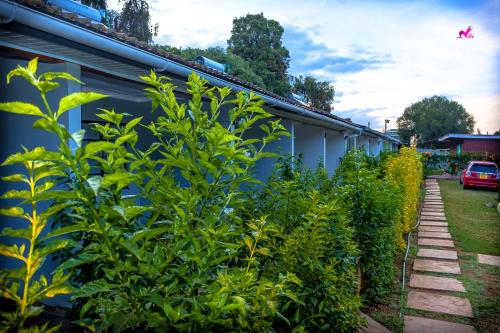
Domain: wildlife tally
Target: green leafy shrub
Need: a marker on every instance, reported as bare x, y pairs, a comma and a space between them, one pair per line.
183, 261
42, 169
373, 206
406, 171
314, 243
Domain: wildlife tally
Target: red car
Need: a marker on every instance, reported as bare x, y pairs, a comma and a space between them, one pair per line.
481, 174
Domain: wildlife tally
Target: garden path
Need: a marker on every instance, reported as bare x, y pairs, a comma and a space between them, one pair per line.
434, 287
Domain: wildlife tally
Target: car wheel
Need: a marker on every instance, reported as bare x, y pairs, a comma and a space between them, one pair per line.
465, 186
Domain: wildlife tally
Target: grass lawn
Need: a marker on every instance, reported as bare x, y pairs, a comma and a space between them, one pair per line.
474, 227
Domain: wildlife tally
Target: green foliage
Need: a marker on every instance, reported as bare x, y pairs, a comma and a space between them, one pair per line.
183, 261
318, 94
20, 285
373, 205
258, 41
164, 238
406, 171
314, 242
433, 117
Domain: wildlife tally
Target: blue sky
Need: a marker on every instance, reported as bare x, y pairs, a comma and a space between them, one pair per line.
381, 56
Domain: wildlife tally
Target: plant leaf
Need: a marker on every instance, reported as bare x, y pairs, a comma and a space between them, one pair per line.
76, 99
49, 76
21, 108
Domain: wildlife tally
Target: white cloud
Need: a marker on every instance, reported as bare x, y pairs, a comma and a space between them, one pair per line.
426, 57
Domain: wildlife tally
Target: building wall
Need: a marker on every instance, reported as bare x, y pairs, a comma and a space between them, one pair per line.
363, 142
375, 146
335, 150
481, 145
309, 141
282, 147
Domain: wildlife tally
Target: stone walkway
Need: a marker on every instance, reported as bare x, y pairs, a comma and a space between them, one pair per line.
433, 283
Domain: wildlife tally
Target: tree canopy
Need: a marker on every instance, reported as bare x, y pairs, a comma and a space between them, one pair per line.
433, 117
316, 93
258, 41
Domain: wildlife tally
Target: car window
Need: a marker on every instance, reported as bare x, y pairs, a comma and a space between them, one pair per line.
483, 168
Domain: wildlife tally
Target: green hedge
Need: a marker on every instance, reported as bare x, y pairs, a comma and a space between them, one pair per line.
199, 253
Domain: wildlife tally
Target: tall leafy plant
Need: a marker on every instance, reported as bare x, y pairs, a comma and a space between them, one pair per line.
373, 206
314, 242
22, 285
406, 170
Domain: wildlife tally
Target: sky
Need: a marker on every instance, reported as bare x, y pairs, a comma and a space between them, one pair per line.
381, 56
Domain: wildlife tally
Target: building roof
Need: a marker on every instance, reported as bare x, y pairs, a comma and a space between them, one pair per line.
132, 42
468, 136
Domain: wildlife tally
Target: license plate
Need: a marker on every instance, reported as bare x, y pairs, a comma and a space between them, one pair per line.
483, 176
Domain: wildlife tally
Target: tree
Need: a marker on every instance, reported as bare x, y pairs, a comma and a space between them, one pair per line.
135, 20
316, 93
433, 117
497, 132
258, 41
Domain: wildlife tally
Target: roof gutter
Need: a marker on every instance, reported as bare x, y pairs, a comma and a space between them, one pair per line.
67, 30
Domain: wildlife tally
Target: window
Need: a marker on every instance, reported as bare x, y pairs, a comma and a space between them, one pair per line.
483, 168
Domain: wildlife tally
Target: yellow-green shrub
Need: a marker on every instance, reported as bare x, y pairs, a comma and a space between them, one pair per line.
406, 170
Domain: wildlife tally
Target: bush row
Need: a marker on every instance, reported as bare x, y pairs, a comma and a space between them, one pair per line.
189, 250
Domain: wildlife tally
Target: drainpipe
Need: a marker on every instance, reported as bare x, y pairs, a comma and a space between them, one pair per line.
67, 30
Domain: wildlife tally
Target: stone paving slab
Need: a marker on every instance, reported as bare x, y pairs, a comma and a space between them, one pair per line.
432, 229
439, 303
431, 234
433, 200
433, 223
431, 213
427, 210
438, 266
432, 210
425, 325
488, 259
435, 282
435, 242
438, 254
433, 206
434, 218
